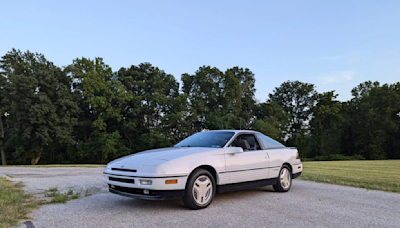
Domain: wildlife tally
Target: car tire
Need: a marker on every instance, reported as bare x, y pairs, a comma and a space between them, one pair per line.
200, 189
284, 180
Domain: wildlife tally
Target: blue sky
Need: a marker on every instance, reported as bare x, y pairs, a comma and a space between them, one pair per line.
335, 45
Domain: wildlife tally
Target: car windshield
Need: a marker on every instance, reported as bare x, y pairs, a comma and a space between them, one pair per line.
206, 139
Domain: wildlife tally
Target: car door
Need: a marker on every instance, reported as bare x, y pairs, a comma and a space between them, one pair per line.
277, 154
250, 165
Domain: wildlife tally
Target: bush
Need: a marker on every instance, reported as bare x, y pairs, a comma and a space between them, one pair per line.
335, 157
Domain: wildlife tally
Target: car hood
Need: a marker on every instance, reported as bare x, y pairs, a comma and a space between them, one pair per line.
165, 154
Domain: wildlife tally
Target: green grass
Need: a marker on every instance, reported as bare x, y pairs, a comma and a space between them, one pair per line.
87, 193
15, 204
58, 197
381, 175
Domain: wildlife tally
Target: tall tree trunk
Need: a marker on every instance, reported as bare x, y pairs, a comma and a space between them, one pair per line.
3, 155
34, 161
127, 137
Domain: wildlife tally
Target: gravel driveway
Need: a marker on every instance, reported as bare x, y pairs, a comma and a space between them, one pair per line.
307, 204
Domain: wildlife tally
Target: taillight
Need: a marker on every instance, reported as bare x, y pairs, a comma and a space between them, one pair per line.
297, 155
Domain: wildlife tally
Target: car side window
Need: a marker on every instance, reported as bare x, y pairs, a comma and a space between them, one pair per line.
269, 143
246, 141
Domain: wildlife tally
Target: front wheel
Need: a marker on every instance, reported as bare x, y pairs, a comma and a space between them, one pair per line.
284, 180
200, 190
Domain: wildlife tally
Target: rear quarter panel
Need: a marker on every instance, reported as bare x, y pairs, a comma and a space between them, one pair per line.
278, 157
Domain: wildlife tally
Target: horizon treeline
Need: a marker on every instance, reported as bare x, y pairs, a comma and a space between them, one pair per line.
89, 114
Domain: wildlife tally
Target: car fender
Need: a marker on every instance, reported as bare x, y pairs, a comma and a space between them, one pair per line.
185, 166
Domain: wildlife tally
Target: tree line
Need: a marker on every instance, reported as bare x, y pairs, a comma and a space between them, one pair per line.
88, 113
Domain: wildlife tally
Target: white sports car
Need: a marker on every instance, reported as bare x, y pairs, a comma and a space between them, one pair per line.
203, 164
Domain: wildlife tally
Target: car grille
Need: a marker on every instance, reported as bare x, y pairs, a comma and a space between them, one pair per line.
132, 190
124, 170
132, 181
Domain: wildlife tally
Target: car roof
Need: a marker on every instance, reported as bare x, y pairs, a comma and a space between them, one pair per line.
235, 131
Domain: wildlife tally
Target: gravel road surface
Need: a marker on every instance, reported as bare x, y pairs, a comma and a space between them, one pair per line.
307, 204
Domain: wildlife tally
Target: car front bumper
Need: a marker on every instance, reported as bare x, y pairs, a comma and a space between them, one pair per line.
130, 185
152, 194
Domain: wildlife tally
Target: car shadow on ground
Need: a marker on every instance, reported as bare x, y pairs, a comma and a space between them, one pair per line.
151, 205
161, 205
243, 195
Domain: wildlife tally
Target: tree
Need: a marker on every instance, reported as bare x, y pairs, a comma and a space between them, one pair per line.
296, 98
363, 90
374, 123
247, 94
270, 120
3, 114
102, 99
41, 107
157, 115
220, 100
392, 145
325, 125
203, 90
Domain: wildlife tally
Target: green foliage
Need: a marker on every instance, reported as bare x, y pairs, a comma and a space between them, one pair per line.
87, 193
204, 91
325, 126
58, 197
296, 99
40, 104
157, 116
99, 149
220, 100
103, 96
247, 95
270, 120
374, 122
335, 157
88, 113
15, 204
3, 111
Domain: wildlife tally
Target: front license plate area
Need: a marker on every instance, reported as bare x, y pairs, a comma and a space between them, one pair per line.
131, 181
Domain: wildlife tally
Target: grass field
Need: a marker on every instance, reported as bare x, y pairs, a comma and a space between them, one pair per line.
381, 175
15, 204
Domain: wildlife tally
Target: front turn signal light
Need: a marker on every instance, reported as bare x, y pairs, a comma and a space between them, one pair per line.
171, 181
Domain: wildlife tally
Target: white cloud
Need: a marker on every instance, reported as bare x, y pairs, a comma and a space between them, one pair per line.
337, 77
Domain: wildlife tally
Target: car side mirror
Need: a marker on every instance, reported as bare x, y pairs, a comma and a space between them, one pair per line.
233, 150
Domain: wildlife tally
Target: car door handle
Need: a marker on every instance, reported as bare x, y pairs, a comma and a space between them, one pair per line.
267, 155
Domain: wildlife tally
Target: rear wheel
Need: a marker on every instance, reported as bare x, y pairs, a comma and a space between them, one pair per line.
284, 180
200, 190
